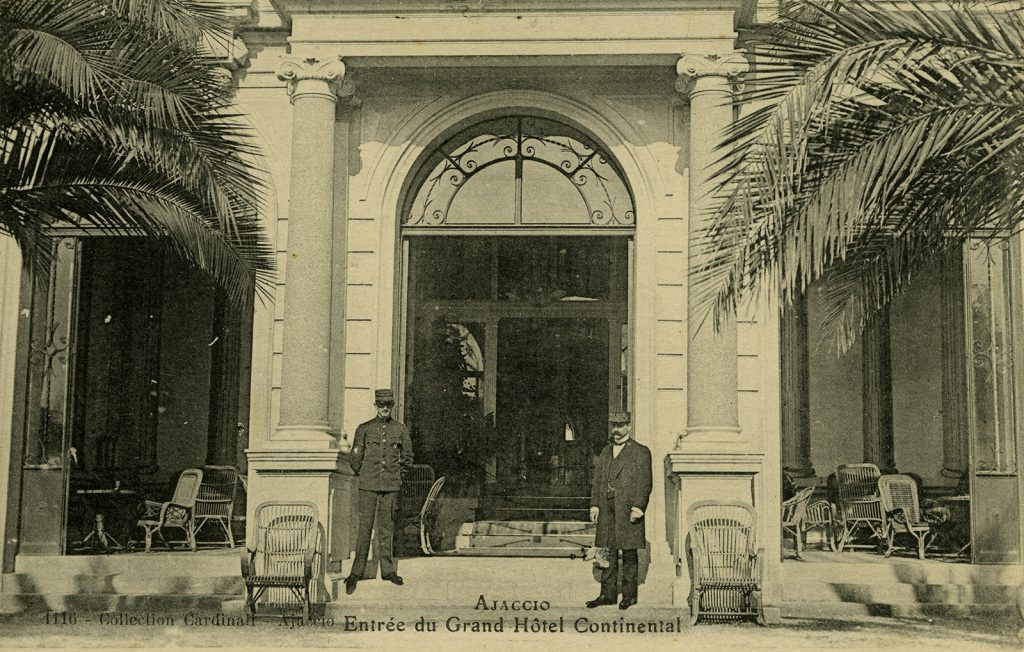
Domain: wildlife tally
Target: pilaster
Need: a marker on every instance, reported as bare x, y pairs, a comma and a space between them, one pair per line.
876, 379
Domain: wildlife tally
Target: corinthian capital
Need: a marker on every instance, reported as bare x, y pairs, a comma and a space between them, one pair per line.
692, 67
313, 76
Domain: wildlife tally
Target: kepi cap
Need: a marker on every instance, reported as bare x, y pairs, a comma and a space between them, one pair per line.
618, 416
384, 396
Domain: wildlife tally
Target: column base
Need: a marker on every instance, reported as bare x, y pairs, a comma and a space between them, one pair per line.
317, 436
703, 435
951, 473
800, 472
320, 476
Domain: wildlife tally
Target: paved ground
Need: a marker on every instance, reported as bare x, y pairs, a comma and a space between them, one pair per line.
866, 633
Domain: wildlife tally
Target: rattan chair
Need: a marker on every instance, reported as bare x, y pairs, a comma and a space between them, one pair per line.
819, 515
178, 512
428, 516
901, 513
727, 568
216, 501
283, 555
859, 510
794, 511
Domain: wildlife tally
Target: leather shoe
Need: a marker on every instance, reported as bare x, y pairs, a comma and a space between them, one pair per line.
394, 579
350, 584
627, 603
600, 601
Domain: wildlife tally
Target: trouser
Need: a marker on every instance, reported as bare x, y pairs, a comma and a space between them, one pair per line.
376, 508
630, 564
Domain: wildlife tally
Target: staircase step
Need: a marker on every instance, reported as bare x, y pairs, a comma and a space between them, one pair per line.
11, 603
510, 541
899, 593
841, 610
124, 584
528, 527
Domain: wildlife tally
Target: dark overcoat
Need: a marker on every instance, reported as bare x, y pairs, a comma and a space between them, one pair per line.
628, 478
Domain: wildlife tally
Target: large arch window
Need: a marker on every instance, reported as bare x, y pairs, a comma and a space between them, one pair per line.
520, 171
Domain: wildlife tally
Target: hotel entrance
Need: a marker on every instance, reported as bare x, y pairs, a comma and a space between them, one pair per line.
517, 247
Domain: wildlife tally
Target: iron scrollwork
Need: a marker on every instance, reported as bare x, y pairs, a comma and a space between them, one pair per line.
524, 140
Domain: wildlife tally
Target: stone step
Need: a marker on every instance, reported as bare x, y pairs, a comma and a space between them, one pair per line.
211, 562
507, 541
11, 603
130, 583
899, 593
528, 527
577, 502
846, 610
512, 552
866, 568
533, 513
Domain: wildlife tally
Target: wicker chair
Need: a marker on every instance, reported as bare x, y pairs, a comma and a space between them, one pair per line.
726, 566
901, 513
178, 512
216, 500
819, 515
794, 512
283, 555
859, 510
428, 516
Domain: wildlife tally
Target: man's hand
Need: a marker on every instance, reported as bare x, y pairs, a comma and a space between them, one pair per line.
594, 512
635, 514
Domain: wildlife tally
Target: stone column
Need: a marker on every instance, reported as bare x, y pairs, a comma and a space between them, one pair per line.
711, 378
954, 366
876, 384
794, 389
713, 458
305, 371
304, 458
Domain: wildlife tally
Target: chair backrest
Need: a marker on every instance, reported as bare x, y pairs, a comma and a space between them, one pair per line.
285, 533
722, 535
217, 492
857, 482
416, 485
794, 509
187, 489
818, 513
435, 491
900, 492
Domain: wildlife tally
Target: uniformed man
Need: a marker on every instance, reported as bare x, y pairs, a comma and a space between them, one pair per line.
381, 452
618, 500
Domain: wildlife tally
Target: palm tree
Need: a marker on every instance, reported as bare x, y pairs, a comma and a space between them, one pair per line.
112, 118
884, 133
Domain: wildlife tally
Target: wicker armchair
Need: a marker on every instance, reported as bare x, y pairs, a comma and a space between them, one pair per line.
901, 513
726, 569
283, 556
820, 515
794, 512
216, 500
859, 510
178, 512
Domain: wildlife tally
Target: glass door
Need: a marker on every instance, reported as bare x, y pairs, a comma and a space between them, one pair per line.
992, 328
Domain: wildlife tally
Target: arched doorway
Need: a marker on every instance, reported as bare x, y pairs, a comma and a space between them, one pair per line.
517, 247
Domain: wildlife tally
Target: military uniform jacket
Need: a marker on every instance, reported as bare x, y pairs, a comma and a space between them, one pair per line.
380, 451
622, 482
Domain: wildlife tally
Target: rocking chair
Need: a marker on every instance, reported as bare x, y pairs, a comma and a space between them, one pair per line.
727, 570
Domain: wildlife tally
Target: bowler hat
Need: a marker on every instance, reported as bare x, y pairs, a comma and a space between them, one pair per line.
618, 416
384, 396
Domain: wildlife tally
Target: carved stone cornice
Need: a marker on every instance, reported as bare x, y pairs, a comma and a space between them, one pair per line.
693, 67
311, 76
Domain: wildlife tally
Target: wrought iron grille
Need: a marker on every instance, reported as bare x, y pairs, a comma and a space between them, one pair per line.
529, 171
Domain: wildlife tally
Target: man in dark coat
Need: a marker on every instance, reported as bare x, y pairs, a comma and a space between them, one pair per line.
618, 501
381, 452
